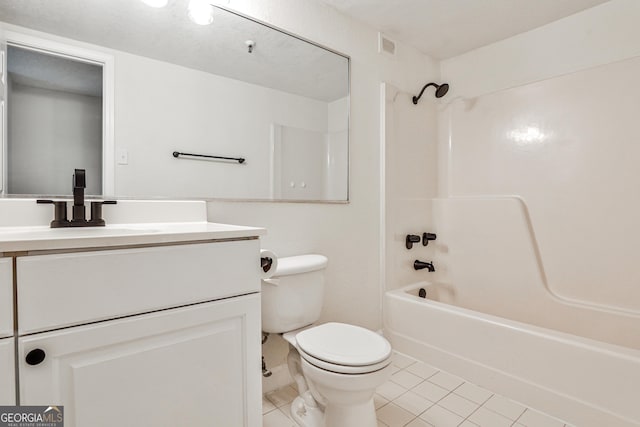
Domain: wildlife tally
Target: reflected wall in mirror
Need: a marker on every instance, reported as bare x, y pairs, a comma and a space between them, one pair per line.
54, 122
234, 88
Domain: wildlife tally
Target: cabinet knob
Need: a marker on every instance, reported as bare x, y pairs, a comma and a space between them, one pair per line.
35, 357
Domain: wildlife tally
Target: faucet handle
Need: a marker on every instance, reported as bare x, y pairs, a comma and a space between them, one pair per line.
96, 212
426, 237
59, 212
410, 240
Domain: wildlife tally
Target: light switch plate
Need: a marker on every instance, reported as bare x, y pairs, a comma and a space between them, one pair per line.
122, 156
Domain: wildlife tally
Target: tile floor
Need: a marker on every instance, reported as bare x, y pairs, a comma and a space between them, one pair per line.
419, 395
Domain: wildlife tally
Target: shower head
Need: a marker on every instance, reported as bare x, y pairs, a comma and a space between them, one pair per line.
441, 90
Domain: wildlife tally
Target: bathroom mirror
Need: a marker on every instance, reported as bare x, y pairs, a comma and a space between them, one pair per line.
273, 106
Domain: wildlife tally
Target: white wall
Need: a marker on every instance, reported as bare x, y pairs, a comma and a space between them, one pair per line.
596, 36
551, 115
337, 176
51, 133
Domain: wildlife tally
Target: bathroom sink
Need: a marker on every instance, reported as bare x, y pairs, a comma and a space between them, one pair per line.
40, 233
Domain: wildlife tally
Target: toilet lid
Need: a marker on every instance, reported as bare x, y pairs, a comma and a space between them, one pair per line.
300, 264
342, 369
342, 344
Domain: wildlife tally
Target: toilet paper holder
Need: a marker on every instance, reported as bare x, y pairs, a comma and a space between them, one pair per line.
266, 263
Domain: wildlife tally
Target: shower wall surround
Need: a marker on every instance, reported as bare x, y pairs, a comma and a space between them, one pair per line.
410, 183
560, 133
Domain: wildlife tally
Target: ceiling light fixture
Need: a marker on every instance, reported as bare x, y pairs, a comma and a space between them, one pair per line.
200, 12
156, 3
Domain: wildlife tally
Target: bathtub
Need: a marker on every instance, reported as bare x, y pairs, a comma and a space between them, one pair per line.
584, 381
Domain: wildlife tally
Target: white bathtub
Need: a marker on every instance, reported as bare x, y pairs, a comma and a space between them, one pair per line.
581, 380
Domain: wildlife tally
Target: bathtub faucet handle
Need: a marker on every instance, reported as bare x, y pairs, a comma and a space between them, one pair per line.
426, 237
419, 265
410, 240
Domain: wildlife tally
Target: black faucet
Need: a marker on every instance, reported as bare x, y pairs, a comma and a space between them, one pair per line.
419, 265
79, 184
79, 218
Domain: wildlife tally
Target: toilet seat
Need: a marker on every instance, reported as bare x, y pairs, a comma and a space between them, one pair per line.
341, 369
343, 348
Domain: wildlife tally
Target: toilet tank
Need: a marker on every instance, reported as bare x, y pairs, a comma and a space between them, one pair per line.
292, 298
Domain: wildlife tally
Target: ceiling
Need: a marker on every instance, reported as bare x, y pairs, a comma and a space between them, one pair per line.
446, 28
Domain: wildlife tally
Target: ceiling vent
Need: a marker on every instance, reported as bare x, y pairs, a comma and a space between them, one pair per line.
386, 45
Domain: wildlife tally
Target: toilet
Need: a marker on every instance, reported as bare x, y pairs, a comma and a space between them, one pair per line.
337, 367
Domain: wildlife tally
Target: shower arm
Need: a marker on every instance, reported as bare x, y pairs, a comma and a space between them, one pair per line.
417, 98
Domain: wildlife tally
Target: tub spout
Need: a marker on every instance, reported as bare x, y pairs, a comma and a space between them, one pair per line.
419, 265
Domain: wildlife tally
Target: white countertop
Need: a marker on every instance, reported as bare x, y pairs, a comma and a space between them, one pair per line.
32, 238
24, 226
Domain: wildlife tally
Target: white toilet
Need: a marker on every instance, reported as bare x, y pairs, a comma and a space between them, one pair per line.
336, 366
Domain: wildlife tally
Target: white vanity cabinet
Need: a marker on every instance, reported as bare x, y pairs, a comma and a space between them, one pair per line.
165, 335
7, 365
192, 366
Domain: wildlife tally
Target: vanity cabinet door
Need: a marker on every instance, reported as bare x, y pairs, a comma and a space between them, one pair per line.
7, 368
192, 366
6, 297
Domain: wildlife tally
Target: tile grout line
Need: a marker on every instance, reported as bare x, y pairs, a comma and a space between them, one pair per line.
520, 416
439, 400
481, 405
406, 390
478, 405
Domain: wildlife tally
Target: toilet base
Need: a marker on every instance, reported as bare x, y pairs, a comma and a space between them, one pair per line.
362, 415
305, 415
